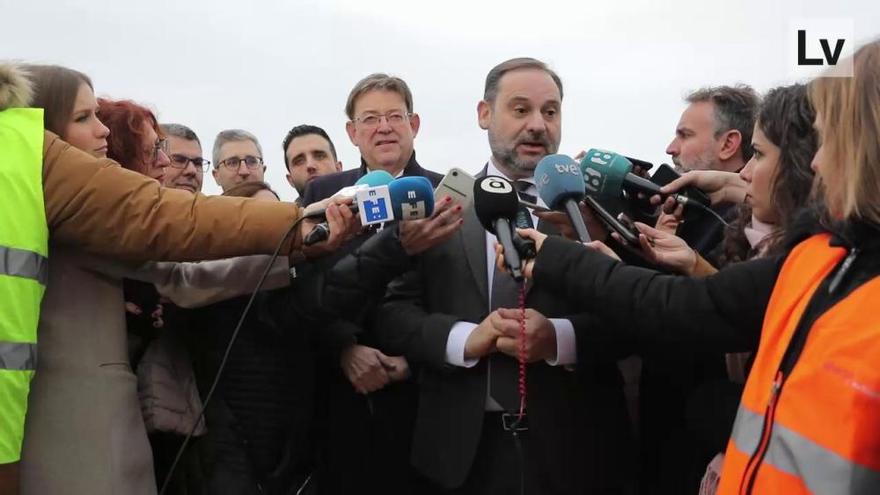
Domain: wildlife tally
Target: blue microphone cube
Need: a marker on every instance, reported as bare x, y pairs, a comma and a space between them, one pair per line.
412, 198
374, 205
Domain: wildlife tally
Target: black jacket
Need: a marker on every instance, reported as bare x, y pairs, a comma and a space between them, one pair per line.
578, 423
348, 288
336, 335
260, 416
723, 312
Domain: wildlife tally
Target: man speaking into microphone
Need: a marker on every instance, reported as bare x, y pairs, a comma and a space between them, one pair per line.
459, 320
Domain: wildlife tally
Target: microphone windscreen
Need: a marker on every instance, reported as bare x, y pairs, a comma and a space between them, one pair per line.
411, 198
375, 178
558, 177
494, 198
604, 172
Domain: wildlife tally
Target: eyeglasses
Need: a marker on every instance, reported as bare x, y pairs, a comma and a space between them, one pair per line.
181, 161
372, 120
161, 145
233, 162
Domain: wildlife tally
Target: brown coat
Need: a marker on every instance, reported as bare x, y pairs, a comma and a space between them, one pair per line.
104, 209
84, 432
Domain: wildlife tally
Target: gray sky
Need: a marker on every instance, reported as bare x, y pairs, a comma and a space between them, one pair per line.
266, 66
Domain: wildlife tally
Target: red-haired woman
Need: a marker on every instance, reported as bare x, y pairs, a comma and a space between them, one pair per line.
135, 140
84, 431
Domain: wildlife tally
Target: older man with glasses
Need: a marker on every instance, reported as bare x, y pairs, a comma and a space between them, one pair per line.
238, 157
368, 396
187, 166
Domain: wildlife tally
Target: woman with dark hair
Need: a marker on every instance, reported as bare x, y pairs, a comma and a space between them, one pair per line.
807, 418
776, 183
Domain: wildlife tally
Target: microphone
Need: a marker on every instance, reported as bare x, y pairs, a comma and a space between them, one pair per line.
561, 185
606, 174
412, 198
496, 204
372, 179
321, 232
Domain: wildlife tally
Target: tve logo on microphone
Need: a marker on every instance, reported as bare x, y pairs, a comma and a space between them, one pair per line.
374, 205
821, 47
571, 168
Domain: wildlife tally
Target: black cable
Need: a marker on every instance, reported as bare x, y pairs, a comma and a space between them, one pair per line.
684, 200
226, 353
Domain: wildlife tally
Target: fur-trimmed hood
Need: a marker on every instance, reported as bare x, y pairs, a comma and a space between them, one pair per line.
15, 88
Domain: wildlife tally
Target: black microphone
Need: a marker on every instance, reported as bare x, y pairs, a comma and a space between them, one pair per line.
496, 204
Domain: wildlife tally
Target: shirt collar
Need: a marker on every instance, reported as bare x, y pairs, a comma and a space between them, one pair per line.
492, 169
411, 168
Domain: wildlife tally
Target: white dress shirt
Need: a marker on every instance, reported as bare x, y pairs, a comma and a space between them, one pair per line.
566, 349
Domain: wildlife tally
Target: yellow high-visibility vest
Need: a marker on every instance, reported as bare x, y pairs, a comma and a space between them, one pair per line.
24, 238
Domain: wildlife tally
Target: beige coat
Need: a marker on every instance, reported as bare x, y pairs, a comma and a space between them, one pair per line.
84, 433
167, 390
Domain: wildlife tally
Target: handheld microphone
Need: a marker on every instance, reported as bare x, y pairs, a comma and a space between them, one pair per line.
321, 232
372, 179
606, 174
496, 204
561, 185
412, 198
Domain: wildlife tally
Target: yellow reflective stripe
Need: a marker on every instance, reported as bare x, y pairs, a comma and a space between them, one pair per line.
23, 229
822, 470
14, 386
25, 264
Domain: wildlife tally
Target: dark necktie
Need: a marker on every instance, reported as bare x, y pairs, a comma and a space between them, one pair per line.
521, 188
504, 369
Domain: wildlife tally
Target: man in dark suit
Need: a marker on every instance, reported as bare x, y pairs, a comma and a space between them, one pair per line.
452, 316
369, 398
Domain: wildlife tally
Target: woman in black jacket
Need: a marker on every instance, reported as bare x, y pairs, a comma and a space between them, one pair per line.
769, 447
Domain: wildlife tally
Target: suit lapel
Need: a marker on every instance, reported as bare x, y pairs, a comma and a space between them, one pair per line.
473, 238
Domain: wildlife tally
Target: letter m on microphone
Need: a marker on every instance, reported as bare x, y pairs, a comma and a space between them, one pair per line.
374, 205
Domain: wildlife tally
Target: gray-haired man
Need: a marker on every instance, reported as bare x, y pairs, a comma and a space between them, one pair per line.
238, 157
187, 167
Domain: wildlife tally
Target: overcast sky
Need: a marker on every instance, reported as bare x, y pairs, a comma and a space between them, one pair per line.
266, 66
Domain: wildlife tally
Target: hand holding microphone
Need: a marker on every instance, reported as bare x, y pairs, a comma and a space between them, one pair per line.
424, 223
721, 187
417, 236
496, 204
528, 265
319, 232
339, 226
